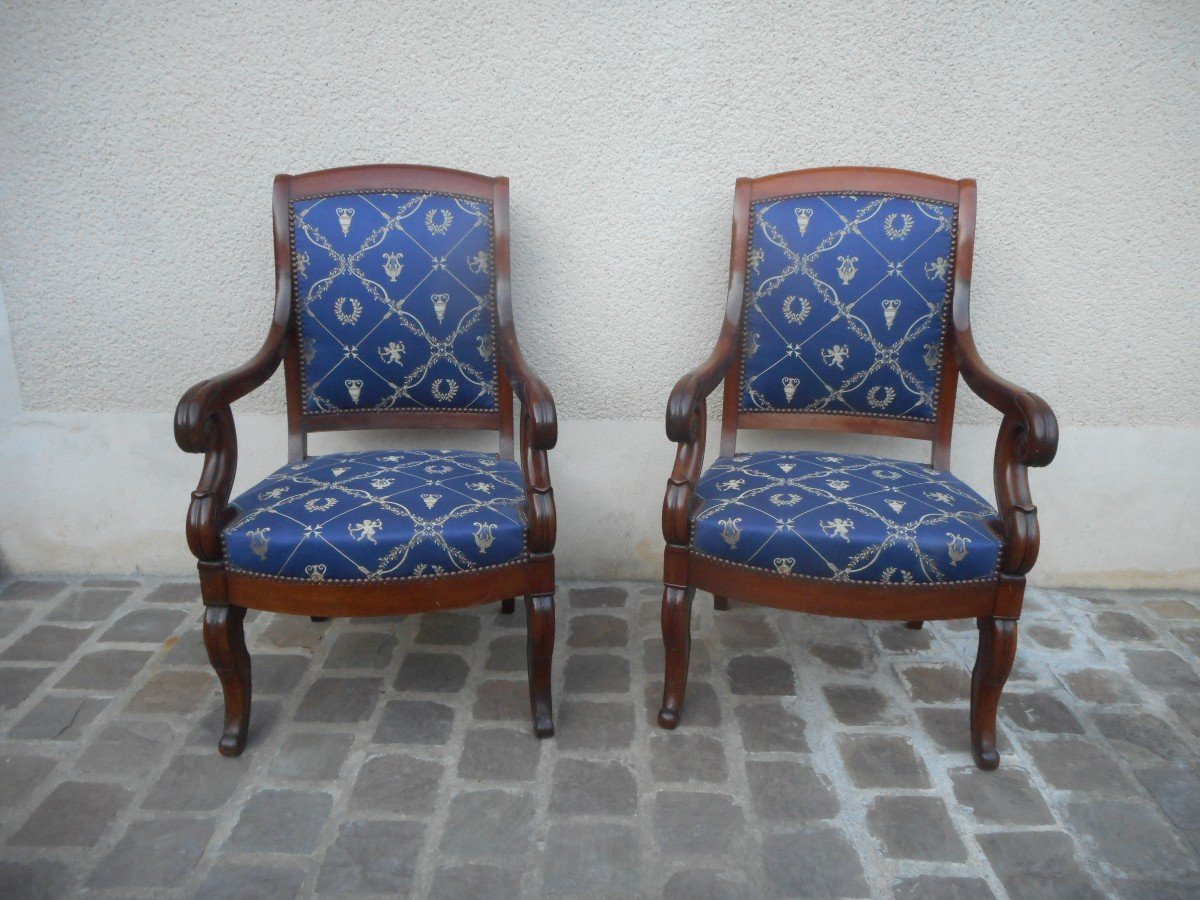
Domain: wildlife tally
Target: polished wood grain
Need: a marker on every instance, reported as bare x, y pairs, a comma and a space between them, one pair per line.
1028, 436
204, 423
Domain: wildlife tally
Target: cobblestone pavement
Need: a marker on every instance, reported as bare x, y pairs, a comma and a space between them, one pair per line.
817, 757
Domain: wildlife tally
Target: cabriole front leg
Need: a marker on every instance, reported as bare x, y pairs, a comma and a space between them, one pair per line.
225, 641
677, 643
997, 649
539, 609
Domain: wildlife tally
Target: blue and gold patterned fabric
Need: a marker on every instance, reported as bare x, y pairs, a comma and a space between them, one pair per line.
380, 515
844, 518
846, 299
395, 303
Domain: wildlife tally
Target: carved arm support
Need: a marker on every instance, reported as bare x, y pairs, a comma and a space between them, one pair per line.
1028, 437
204, 424
539, 433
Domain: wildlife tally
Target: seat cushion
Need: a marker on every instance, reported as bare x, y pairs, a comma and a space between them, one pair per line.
844, 518
380, 514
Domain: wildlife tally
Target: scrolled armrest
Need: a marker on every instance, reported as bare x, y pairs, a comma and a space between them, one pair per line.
686, 404
539, 418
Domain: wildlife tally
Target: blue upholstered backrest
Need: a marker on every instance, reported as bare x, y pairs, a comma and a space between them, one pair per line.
395, 302
846, 304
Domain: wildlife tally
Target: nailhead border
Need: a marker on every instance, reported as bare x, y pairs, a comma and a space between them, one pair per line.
742, 410
297, 313
900, 584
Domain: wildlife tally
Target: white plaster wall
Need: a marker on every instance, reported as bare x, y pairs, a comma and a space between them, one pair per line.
138, 140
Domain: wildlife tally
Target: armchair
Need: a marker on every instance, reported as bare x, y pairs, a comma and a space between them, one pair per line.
392, 310
849, 311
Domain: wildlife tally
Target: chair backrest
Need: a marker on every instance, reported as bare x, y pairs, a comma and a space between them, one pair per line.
847, 279
399, 282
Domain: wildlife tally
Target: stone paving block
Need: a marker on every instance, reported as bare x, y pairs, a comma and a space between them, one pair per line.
414, 722
31, 590
1162, 670
596, 673
111, 582
399, 784
1176, 790
1003, 797
592, 859
187, 649
653, 660
280, 821
606, 597
506, 654
701, 707
196, 782
74, 814
41, 879
704, 884
20, 773
1039, 712
896, 639
882, 761
500, 754
1174, 609
1160, 889
105, 670
372, 857
154, 854
475, 880
785, 791
818, 862
11, 618
1142, 738
311, 757
1049, 636
743, 630
46, 643
697, 823
361, 650
949, 727
18, 682
843, 657
1131, 837
1079, 764
582, 787
277, 673
294, 631
855, 704
1100, 686
92, 605
207, 729
502, 701
340, 700
594, 725
144, 626
437, 673
179, 692
761, 675
945, 683
175, 592
936, 887
597, 631
770, 726
232, 881
1187, 708
1038, 864
1189, 637
678, 756
1121, 627
126, 748
915, 828
58, 718
489, 823
453, 629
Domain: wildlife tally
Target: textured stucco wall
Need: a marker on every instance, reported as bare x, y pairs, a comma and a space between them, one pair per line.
139, 140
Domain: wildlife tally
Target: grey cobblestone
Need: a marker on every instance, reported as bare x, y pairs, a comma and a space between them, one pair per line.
816, 757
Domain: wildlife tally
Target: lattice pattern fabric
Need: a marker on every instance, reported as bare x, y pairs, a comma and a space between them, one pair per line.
845, 305
844, 518
378, 515
395, 302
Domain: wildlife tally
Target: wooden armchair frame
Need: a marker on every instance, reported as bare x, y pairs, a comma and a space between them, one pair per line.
1028, 436
204, 424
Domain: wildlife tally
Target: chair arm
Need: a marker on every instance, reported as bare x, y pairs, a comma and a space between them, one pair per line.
204, 424
1028, 437
539, 419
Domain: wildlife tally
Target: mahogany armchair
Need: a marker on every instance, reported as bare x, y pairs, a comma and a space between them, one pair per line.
849, 311
392, 310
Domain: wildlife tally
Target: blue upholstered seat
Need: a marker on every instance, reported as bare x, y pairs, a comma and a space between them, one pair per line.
381, 515
395, 302
844, 518
846, 305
